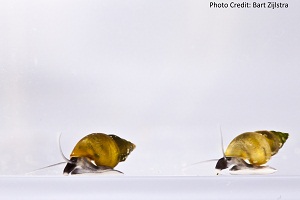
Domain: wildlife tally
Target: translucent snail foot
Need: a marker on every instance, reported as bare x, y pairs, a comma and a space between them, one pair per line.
251, 170
84, 165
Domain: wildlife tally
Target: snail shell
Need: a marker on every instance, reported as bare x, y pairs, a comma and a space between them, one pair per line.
98, 152
252, 149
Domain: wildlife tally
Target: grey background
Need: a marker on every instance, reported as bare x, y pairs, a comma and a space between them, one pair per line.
162, 74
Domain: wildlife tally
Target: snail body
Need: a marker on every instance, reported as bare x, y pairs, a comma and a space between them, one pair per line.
251, 150
98, 152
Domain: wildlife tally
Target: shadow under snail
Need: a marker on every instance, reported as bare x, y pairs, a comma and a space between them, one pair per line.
249, 152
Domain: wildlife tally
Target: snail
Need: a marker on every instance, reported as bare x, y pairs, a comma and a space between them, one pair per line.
98, 152
95, 153
249, 152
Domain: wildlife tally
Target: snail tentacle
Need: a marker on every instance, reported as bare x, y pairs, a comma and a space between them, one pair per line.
53, 165
46, 167
61, 152
222, 143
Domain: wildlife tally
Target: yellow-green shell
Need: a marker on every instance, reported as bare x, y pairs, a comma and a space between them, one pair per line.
104, 150
256, 147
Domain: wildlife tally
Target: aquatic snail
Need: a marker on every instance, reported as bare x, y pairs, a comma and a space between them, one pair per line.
96, 153
249, 152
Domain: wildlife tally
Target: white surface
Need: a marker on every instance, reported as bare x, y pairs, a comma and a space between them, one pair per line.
163, 74
233, 187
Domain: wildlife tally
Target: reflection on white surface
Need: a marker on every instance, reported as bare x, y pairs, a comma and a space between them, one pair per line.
233, 187
162, 74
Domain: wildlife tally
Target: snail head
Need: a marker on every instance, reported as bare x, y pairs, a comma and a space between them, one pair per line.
221, 164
